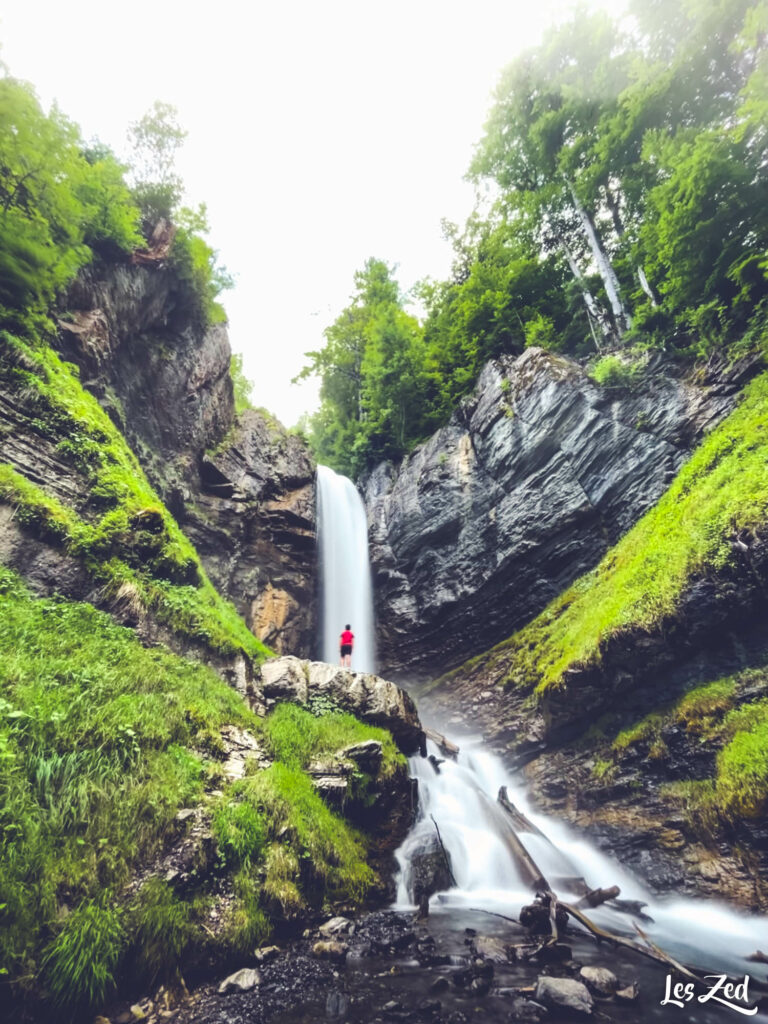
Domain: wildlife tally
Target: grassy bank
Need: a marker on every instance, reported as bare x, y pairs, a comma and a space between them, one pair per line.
102, 741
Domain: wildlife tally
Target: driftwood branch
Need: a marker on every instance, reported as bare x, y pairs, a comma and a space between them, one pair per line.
595, 897
446, 858
445, 745
517, 817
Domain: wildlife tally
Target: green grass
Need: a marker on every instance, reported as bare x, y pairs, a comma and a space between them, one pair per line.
95, 759
637, 587
736, 733
295, 736
122, 534
102, 741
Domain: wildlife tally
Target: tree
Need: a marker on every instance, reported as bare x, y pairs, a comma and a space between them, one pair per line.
155, 140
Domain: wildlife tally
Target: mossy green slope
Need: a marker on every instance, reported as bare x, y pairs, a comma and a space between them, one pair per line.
721, 490
120, 531
102, 741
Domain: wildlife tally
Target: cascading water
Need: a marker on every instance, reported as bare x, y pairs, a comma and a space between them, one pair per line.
462, 801
461, 798
345, 569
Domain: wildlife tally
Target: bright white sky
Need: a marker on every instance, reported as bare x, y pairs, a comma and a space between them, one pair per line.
321, 132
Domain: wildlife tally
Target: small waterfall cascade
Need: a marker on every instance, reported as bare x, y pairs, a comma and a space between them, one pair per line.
345, 570
461, 800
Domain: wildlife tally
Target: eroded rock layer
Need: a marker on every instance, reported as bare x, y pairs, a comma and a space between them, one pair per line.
242, 488
537, 474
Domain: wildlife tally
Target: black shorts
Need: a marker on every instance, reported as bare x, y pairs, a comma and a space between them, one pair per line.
345, 649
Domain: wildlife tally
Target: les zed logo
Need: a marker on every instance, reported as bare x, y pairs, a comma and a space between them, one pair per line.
680, 994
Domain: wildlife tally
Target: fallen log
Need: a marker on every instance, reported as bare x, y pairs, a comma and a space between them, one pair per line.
518, 818
445, 745
446, 858
595, 897
618, 940
529, 869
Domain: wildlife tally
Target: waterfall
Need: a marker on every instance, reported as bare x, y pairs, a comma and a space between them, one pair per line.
345, 570
462, 801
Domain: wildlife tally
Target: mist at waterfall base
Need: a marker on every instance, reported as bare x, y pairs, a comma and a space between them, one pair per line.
345, 570
461, 800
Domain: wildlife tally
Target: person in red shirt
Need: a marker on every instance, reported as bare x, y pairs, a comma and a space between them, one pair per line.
345, 647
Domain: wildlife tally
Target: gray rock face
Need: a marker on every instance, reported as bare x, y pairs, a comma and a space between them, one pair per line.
538, 472
368, 697
242, 489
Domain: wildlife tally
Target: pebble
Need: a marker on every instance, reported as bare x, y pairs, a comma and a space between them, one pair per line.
563, 994
241, 981
599, 980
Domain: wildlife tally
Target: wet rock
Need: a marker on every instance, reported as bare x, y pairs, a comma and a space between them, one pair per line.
336, 1005
336, 926
599, 980
439, 985
525, 1010
491, 948
241, 981
428, 865
366, 755
331, 950
563, 994
368, 697
263, 956
628, 994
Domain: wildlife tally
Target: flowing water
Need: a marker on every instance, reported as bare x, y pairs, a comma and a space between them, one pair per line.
461, 799
345, 570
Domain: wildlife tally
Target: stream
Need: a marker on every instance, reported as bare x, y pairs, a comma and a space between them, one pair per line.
459, 800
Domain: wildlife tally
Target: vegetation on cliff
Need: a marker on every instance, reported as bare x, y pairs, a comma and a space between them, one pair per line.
103, 740
721, 491
628, 172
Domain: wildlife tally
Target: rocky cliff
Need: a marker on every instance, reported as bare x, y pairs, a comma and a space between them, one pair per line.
538, 472
636, 701
241, 488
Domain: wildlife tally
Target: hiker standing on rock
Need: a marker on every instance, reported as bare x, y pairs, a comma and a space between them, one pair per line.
345, 647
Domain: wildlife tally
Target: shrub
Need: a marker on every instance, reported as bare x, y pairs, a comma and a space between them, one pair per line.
79, 963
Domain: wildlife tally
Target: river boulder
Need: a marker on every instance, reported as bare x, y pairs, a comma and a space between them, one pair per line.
370, 698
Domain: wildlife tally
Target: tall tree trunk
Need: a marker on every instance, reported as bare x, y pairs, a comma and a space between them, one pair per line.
593, 310
604, 265
618, 226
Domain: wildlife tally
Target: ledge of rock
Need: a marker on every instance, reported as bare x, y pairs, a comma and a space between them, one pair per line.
371, 699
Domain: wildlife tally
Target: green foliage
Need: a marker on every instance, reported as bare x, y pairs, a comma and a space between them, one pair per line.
318, 852
615, 372
742, 770
240, 832
296, 736
155, 140
162, 930
242, 387
197, 267
61, 202
79, 963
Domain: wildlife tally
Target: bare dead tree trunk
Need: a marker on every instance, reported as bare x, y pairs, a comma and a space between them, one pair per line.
593, 311
604, 265
618, 225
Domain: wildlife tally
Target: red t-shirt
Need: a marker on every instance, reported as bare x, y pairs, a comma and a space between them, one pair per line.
347, 637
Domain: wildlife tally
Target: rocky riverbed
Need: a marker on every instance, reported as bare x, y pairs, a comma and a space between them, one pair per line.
456, 966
